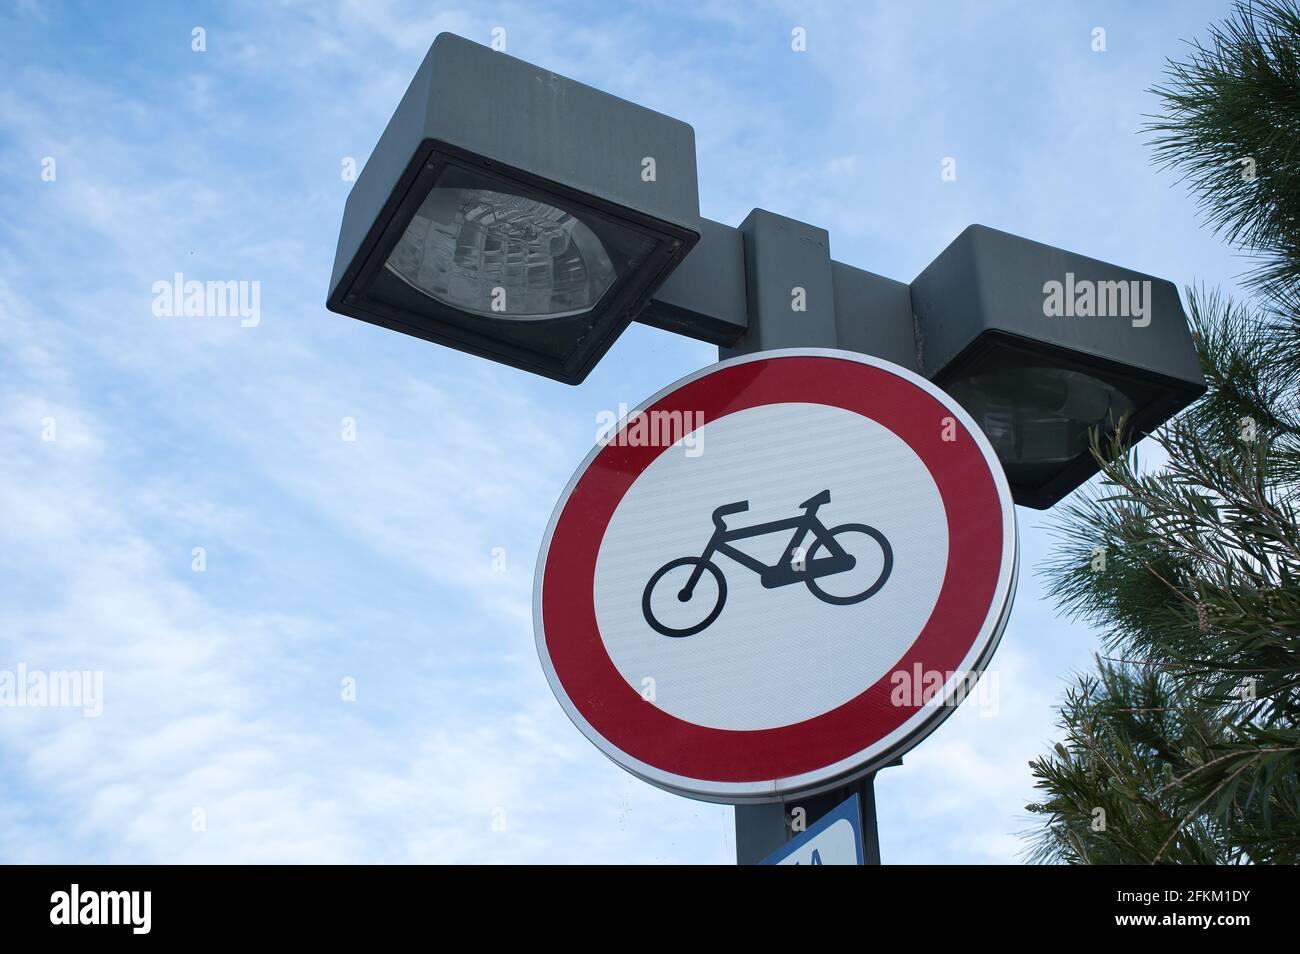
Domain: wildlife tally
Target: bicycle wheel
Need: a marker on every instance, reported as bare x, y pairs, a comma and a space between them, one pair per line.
876, 547
676, 583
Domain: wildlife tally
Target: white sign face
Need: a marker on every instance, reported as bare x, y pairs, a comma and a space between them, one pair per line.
733, 586
774, 656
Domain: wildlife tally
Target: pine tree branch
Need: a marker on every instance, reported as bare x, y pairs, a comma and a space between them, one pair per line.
1199, 805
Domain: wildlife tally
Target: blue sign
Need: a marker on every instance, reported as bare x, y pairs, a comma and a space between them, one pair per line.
835, 839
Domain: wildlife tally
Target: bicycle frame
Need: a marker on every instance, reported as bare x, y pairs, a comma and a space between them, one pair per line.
784, 571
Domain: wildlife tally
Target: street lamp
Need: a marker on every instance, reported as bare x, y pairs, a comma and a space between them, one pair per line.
1040, 345
515, 214
523, 217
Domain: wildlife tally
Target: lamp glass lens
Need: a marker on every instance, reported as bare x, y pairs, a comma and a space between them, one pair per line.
1037, 417
502, 256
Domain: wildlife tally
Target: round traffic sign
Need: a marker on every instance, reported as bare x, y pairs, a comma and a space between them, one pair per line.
779, 572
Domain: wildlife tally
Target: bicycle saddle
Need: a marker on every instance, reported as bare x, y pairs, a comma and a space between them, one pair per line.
727, 509
814, 502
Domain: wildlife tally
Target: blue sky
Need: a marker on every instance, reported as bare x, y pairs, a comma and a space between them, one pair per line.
371, 559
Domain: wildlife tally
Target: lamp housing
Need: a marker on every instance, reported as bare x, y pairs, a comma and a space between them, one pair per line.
515, 214
1040, 345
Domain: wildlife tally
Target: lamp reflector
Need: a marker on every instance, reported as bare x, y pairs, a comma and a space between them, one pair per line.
499, 255
1038, 417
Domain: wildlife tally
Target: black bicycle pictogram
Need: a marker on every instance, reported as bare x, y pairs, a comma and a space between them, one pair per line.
796, 565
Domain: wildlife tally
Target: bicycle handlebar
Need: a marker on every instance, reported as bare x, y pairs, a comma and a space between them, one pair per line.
727, 509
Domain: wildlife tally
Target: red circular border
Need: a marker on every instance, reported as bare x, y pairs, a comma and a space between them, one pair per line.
618, 712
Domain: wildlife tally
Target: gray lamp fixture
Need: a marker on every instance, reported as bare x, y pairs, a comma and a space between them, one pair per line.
515, 214
1040, 345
